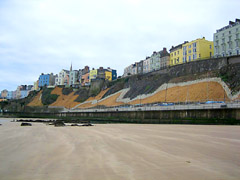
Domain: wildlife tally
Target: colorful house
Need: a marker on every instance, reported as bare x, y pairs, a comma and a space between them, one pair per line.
176, 54
93, 74
85, 81
197, 50
108, 75
62, 78
46, 80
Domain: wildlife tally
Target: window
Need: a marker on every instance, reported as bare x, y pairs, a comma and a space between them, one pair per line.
175, 53
229, 32
210, 46
189, 51
216, 37
178, 52
189, 58
189, 46
199, 55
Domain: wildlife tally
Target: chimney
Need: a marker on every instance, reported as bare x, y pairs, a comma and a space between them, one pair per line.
231, 23
164, 49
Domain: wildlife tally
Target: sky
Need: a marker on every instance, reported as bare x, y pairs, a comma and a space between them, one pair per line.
46, 36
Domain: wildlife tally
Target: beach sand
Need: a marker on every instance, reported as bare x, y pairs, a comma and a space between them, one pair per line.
119, 152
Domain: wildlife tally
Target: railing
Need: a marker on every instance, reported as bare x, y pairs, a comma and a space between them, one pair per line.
163, 106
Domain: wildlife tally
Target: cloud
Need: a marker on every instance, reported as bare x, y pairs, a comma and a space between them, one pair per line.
47, 35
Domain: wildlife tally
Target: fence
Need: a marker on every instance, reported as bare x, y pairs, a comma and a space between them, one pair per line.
163, 106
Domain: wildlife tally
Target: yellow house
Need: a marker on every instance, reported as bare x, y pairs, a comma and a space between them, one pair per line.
108, 75
93, 74
197, 50
176, 54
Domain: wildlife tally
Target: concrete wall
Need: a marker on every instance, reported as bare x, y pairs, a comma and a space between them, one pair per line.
205, 116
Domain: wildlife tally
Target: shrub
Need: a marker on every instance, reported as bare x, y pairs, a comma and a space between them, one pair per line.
47, 97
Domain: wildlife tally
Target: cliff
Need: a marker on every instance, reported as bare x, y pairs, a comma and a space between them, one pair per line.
199, 81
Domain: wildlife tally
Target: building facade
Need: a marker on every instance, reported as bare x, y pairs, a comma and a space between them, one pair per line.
46, 80
155, 61
139, 66
128, 70
227, 40
147, 65
164, 58
108, 75
176, 54
73, 78
35, 85
197, 50
93, 74
81, 72
62, 78
10, 95
4, 93
85, 81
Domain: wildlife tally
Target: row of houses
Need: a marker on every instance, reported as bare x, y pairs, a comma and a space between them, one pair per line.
158, 60
75, 78
225, 43
21, 92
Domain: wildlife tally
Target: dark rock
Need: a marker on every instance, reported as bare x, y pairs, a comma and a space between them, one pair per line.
26, 124
87, 124
59, 123
75, 125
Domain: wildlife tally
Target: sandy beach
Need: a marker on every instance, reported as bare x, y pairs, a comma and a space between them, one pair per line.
119, 152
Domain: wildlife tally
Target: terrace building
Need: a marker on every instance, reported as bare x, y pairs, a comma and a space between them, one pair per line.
146, 65
197, 50
227, 40
46, 80
176, 54
164, 58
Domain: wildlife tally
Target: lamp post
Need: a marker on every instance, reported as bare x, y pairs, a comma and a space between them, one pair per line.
166, 93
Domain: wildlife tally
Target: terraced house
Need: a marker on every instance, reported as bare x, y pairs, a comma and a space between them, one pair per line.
176, 54
197, 49
190, 51
46, 80
101, 73
227, 40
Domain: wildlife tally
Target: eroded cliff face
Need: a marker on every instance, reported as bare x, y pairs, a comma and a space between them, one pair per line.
197, 81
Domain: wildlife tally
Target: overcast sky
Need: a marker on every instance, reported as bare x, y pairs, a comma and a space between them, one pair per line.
44, 36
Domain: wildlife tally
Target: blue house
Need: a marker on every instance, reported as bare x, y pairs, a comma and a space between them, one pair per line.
43, 80
46, 80
114, 74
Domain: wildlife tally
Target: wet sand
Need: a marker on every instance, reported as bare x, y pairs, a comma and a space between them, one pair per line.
119, 152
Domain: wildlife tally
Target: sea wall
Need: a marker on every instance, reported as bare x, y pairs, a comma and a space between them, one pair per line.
197, 116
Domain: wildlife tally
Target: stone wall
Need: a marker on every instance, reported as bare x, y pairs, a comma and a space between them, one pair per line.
203, 116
